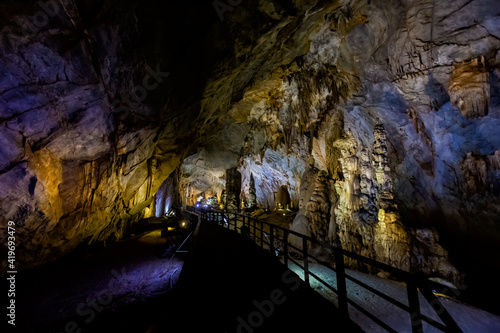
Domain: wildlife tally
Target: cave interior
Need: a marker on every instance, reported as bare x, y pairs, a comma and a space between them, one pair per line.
373, 125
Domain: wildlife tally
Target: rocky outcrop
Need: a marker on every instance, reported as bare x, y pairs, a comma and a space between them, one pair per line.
367, 217
430, 258
318, 209
469, 88
233, 190
83, 147
166, 198
283, 198
252, 197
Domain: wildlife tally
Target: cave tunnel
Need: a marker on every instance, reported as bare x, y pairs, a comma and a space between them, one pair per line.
343, 126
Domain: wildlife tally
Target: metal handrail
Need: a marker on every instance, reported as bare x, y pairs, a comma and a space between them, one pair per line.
414, 283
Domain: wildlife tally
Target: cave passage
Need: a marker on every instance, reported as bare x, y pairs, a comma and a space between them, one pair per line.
366, 125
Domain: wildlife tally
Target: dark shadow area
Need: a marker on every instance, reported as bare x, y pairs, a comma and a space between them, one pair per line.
113, 286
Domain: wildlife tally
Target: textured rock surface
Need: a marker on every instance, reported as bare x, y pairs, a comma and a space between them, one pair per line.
252, 196
470, 88
82, 150
233, 189
380, 117
166, 198
396, 115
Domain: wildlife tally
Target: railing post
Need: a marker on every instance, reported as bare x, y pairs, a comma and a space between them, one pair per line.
271, 240
306, 260
261, 235
413, 302
245, 229
341, 282
254, 232
285, 247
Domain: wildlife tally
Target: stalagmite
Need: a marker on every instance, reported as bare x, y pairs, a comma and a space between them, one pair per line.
252, 197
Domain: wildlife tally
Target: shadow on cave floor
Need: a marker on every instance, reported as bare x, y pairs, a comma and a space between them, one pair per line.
79, 290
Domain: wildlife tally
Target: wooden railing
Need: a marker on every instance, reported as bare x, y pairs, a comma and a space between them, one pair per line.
276, 240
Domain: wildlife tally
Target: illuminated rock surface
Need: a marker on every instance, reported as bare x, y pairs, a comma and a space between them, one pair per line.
380, 117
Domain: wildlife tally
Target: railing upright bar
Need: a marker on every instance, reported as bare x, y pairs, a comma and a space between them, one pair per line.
285, 248
261, 235
254, 232
306, 261
341, 282
271, 240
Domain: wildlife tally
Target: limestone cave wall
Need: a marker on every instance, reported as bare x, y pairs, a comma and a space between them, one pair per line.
387, 110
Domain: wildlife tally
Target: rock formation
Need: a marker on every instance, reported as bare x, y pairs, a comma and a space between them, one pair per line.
233, 189
380, 117
469, 88
166, 198
252, 197
283, 198
318, 208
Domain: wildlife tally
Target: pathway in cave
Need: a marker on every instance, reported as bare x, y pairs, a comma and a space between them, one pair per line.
230, 285
84, 291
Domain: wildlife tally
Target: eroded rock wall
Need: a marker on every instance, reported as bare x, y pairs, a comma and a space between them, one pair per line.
380, 117
395, 103
83, 145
